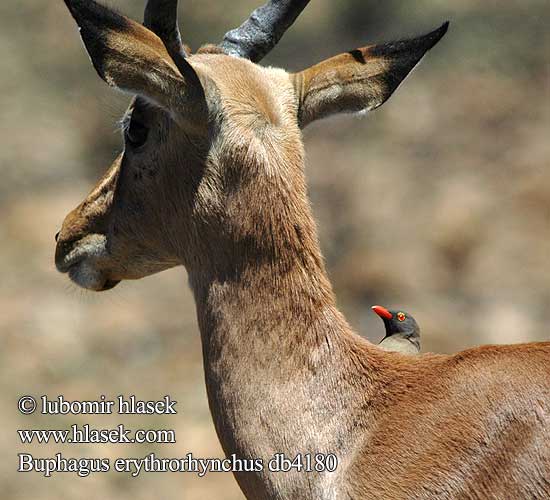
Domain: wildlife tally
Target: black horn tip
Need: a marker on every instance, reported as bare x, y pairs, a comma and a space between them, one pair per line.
161, 17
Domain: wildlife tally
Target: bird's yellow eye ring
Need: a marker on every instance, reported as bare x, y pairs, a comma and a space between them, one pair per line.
401, 316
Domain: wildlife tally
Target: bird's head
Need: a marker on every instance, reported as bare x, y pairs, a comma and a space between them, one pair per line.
398, 322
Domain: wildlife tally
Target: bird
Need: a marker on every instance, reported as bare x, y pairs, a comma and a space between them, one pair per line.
402, 331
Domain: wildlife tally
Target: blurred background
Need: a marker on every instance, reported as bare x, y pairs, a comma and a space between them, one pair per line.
437, 203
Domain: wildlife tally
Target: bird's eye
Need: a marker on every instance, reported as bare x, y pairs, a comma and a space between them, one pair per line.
136, 134
401, 316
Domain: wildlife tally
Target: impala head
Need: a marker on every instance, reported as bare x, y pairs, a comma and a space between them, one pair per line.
212, 165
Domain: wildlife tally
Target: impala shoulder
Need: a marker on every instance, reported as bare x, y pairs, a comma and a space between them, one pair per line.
525, 362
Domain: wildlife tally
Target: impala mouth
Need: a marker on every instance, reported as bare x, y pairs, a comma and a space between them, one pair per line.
86, 275
109, 284
82, 262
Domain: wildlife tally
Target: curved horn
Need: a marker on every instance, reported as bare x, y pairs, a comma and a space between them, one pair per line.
262, 30
161, 17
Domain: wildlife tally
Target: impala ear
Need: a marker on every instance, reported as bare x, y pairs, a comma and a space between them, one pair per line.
360, 80
131, 58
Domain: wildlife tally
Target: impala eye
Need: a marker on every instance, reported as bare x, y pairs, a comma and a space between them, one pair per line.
136, 134
401, 316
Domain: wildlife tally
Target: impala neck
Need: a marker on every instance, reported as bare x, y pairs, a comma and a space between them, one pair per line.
263, 295
269, 305
272, 341
279, 357
266, 312
263, 279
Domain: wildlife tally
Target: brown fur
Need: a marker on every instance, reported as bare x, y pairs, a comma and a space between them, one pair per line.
225, 196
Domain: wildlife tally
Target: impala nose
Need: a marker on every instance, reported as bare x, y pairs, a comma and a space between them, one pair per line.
57, 236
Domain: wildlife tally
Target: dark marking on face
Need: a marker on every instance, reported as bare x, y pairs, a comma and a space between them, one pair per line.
358, 56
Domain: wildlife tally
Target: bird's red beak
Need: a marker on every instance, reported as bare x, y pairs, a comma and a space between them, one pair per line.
382, 312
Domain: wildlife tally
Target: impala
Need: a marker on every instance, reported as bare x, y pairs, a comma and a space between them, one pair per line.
212, 178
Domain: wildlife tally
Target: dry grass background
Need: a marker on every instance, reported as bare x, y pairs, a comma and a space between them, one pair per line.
439, 203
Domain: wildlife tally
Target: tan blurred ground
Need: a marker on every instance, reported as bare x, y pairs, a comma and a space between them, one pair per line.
438, 203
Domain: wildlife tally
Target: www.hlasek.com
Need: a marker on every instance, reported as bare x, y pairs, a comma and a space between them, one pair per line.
306, 462
87, 434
